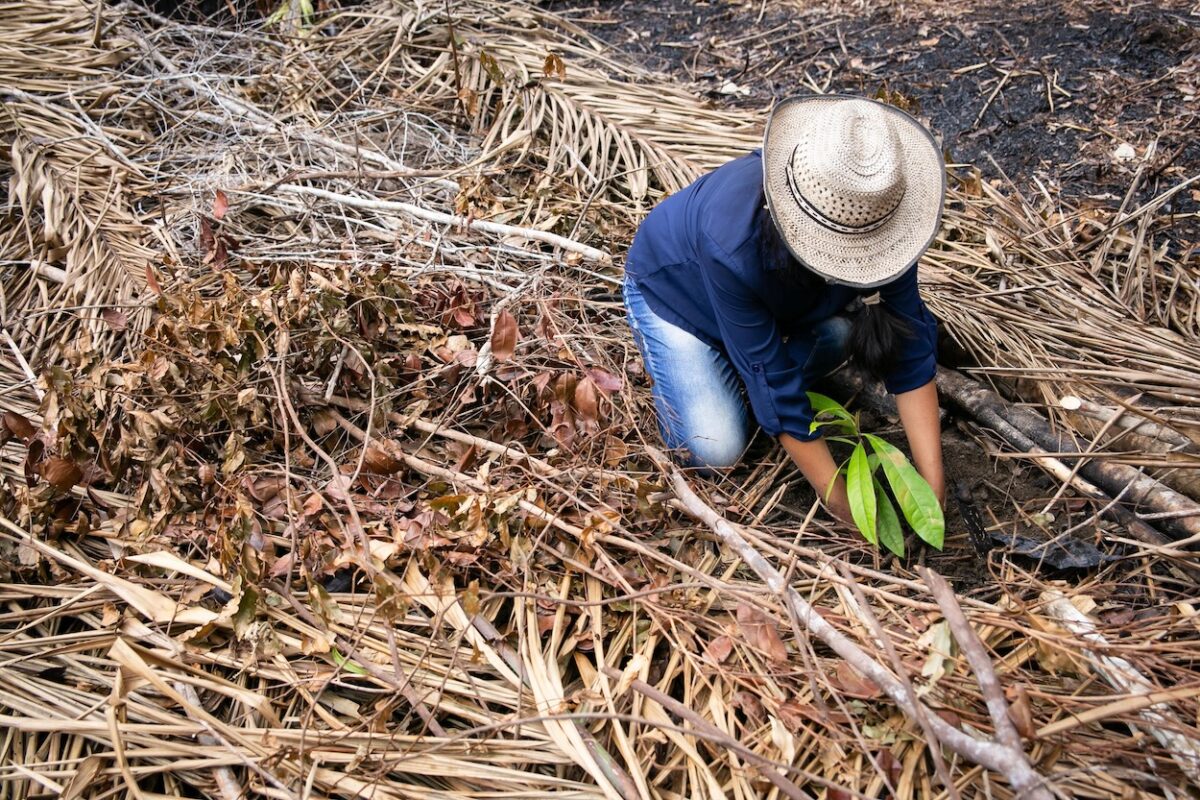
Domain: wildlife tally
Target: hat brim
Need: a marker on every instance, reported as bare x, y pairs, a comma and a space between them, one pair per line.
856, 259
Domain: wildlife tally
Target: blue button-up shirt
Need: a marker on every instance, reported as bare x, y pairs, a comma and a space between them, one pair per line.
696, 260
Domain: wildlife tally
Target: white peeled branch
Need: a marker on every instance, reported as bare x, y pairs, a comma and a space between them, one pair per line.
1122, 675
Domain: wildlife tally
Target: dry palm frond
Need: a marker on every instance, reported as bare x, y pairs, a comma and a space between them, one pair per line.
77, 251
322, 388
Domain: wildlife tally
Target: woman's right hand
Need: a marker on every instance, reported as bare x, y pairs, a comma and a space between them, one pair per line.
817, 464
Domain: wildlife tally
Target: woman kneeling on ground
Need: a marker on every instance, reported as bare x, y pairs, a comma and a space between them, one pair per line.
772, 269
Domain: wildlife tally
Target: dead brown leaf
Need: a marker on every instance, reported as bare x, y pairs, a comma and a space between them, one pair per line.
605, 380
324, 422
794, 714
553, 66
505, 335
1020, 712
18, 425
380, 461
587, 401
760, 632
751, 706
851, 684
719, 648
117, 320
152, 282
220, 205
61, 473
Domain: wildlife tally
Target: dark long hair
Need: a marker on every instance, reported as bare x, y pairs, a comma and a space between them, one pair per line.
875, 334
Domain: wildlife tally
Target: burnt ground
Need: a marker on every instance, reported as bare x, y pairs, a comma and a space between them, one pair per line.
1052, 91
1045, 95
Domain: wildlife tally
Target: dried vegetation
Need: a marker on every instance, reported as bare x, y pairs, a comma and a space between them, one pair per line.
324, 463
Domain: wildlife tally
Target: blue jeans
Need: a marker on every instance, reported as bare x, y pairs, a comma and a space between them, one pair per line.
698, 395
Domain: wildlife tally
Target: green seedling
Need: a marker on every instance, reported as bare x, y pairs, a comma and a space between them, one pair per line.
872, 509
300, 10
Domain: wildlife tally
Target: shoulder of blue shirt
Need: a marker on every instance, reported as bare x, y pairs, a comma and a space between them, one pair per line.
729, 203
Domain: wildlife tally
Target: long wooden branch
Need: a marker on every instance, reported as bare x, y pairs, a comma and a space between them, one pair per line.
865, 613
993, 755
977, 657
429, 215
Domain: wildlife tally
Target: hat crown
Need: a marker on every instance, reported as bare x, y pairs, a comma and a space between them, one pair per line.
849, 167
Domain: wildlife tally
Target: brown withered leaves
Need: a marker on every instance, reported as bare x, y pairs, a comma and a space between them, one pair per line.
504, 336
759, 631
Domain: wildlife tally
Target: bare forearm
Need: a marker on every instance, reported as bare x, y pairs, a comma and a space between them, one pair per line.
919, 415
817, 464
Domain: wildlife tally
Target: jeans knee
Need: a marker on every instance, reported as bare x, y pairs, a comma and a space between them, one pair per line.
718, 451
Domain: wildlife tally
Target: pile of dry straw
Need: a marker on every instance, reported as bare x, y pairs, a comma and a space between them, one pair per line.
325, 466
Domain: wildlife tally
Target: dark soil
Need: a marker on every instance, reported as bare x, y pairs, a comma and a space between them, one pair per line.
1084, 78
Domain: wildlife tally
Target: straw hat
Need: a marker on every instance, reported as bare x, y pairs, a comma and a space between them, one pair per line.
855, 186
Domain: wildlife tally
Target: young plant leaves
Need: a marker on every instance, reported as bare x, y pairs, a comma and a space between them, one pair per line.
861, 491
823, 404
915, 496
827, 405
891, 535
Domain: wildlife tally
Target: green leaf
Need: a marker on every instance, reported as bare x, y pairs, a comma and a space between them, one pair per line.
827, 405
913, 493
840, 424
822, 403
891, 535
346, 663
861, 493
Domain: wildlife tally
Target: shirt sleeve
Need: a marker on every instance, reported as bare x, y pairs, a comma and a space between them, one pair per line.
774, 381
916, 361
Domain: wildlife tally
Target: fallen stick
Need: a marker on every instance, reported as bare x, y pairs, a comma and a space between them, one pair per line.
865, 613
1140, 425
482, 225
47, 271
977, 657
1113, 478
993, 755
1122, 675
